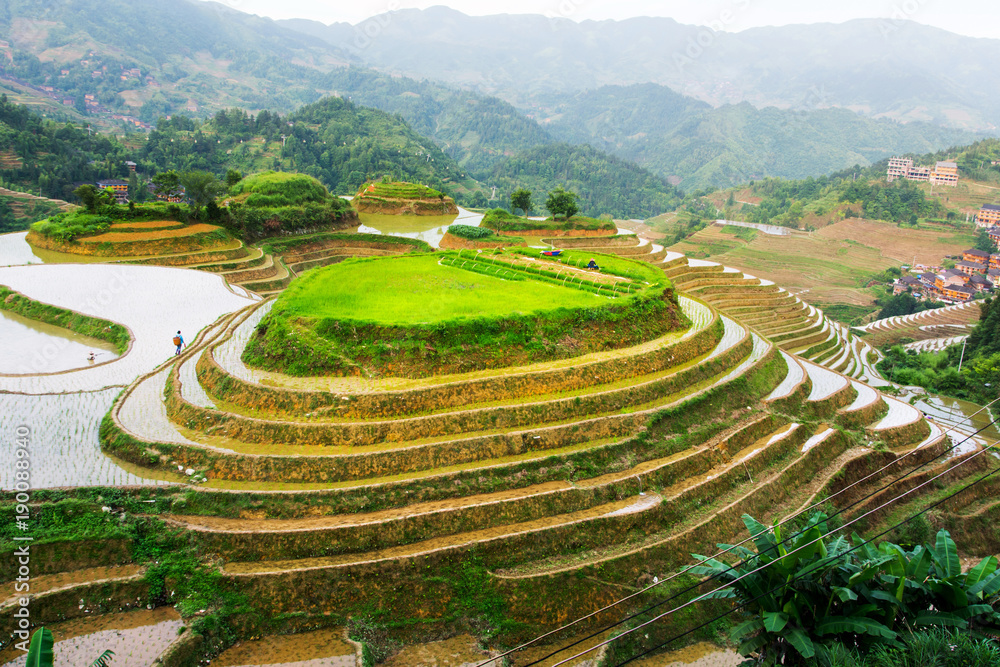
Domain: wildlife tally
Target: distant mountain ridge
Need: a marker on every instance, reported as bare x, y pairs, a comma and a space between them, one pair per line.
881, 67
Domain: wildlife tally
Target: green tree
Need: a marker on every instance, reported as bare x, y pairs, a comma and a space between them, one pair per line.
167, 183
521, 199
562, 203
805, 594
89, 195
201, 187
233, 177
984, 242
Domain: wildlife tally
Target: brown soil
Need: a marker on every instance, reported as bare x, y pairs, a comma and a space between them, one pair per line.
451, 242
150, 224
406, 206
118, 237
267, 525
52, 581
927, 244
324, 646
549, 232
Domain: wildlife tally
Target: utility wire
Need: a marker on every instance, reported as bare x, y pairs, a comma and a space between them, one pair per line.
744, 541
747, 574
868, 541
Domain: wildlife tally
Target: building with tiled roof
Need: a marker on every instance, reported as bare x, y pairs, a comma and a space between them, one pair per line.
988, 216
970, 268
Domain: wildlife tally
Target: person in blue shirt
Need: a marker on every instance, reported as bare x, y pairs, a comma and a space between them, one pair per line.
179, 342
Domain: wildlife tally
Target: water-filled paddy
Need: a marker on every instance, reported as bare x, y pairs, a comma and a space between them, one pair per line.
30, 346
427, 228
63, 411
136, 637
319, 648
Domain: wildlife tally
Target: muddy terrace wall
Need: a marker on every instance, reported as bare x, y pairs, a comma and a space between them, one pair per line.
63, 605
194, 258
307, 543
336, 588
953, 472
386, 206
693, 419
174, 244
64, 556
359, 434
866, 414
859, 468
498, 388
898, 436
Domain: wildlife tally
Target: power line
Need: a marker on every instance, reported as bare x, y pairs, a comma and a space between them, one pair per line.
858, 546
747, 574
734, 546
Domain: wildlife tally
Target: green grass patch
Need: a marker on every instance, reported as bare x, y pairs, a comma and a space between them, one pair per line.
418, 290
501, 220
470, 232
85, 325
747, 234
398, 190
410, 316
277, 246
272, 189
847, 313
619, 266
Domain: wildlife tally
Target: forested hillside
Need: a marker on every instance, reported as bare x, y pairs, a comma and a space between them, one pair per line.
338, 142
150, 58
208, 57
49, 158
605, 184
882, 68
676, 136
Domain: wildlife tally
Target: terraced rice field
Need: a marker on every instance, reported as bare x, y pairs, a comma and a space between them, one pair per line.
947, 322
568, 483
115, 237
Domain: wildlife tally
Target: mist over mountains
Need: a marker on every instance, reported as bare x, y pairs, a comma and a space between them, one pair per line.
881, 67
503, 95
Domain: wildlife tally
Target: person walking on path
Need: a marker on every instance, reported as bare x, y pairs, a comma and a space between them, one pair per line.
179, 342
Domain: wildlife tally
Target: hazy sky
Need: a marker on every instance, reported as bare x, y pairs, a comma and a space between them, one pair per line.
977, 18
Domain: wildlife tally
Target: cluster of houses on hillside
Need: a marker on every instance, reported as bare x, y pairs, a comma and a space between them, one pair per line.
977, 272
942, 173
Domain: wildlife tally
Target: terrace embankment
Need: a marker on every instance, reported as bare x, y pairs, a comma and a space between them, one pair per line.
406, 317
399, 198
511, 498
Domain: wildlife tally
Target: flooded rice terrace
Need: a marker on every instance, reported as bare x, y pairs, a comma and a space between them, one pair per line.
136, 637
62, 407
61, 398
30, 346
427, 228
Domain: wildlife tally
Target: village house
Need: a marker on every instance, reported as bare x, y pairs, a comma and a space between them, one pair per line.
943, 173
977, 256
971, 268
907, 284
981, 283
118, 186
988, 216
173, 199
994, 236
959, 293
